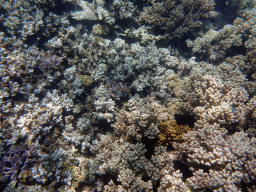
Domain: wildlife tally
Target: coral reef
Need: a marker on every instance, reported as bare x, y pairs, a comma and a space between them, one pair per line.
215, 45
129, 166
217, 103
127, 95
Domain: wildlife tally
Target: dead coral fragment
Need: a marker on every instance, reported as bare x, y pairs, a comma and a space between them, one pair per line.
170, 131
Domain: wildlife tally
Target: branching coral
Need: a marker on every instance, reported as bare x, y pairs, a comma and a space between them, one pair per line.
128, 160
104, 105
176, 17
127, 164
215, 45
25, 21
102, 118
215, 100
17, 159
51, 61
170, 131
220, 162
139, 119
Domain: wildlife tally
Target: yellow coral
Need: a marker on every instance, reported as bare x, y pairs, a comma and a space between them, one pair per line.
77, 174
170, 131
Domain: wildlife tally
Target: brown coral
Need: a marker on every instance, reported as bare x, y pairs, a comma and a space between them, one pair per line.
170, 131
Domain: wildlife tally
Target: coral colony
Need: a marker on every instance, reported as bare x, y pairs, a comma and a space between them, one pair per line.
16, 160
128, 95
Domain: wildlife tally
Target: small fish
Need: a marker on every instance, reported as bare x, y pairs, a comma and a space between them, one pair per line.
232, 109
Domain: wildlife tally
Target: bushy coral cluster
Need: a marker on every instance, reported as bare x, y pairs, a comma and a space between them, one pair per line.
17, 159
170, 131
176, 18
220, 162
131, 168
139, 119
127, 95
216, 45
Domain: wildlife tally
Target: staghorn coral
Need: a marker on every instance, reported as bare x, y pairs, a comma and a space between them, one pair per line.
29, 20
104, 105
117, 91
17, 65
51, 61
25, 21
170, 131
115, 61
